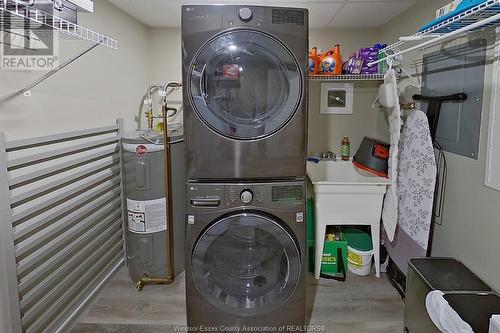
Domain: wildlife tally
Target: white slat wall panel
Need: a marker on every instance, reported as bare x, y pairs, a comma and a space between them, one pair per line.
63, 238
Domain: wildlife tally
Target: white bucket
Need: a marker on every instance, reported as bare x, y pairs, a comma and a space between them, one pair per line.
359, 262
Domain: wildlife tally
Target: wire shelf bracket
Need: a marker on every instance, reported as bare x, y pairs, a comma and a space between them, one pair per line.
27, 91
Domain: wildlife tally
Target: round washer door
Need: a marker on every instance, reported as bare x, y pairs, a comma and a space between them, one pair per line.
246, 264
245, 84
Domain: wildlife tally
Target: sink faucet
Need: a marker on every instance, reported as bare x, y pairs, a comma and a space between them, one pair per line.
329, 156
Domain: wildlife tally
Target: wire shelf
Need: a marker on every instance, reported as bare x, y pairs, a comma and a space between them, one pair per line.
350, 77
475, 14
14, 15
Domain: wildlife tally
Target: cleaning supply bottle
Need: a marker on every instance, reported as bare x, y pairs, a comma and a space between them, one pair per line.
345, 149
382, 66
331, 62
314, 61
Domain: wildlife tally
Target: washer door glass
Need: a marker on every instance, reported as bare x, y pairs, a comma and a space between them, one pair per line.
245, 84
246, 264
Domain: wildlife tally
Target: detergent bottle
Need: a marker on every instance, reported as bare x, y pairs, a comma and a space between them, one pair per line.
314, 59
331, 62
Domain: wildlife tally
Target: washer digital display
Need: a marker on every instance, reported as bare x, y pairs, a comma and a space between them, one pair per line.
287, 193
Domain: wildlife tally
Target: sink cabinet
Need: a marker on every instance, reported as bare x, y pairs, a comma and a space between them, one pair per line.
345, 195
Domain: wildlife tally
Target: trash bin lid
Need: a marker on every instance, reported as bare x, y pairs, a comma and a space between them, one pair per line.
475, 309
447, 274
357, 239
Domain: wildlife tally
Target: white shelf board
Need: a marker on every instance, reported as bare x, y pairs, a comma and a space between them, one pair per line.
347, 78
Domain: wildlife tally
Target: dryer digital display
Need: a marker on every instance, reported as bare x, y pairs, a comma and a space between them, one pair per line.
284, 16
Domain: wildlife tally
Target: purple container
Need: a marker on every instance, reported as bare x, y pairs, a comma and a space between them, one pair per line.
358, 62
369, 70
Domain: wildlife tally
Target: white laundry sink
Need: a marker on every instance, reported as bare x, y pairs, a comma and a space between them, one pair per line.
345, 195
341, 173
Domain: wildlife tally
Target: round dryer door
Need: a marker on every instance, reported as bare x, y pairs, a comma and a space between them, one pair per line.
246, 264
245, 84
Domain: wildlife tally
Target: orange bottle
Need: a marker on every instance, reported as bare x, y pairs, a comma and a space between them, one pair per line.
314, 60
331, 62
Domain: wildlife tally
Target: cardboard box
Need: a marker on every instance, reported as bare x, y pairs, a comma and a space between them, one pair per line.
334, 251
448, 8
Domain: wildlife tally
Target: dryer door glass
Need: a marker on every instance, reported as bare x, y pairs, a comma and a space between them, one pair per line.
246, 264
245, 84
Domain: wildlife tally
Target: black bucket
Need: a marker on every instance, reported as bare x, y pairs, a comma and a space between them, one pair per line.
373, 156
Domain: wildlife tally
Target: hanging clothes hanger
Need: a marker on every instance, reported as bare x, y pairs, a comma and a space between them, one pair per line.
384, 98
415, 81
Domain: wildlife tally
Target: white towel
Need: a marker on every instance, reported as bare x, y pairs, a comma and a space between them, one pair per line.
390, 210
443, 316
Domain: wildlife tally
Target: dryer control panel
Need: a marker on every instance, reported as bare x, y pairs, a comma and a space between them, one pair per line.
243, 16
258, 16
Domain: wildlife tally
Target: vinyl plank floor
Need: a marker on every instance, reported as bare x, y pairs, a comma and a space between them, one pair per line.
361, 304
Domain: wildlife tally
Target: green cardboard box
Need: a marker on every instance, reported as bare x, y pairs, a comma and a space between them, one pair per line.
334, 251
310, 234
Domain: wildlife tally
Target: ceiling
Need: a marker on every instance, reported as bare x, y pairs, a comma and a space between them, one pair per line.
322, 13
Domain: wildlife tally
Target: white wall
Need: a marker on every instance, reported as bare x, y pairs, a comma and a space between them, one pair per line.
165, 63
326, 131
471, 219
93, 91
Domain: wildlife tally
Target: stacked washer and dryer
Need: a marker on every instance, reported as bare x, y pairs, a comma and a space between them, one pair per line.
245, 118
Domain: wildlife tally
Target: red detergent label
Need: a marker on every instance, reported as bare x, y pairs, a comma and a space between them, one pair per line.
231, 72
141, 150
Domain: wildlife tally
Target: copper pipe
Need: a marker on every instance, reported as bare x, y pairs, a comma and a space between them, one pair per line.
170, 277
150, 117
147, 280
168, 193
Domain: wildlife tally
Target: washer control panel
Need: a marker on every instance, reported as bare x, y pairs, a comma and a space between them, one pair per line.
246, 196
215, 197
206, 196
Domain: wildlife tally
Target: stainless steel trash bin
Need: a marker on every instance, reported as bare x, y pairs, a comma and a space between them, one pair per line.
475, 308
427, 274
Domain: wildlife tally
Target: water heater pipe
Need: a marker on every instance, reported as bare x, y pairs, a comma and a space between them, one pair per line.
170, 277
